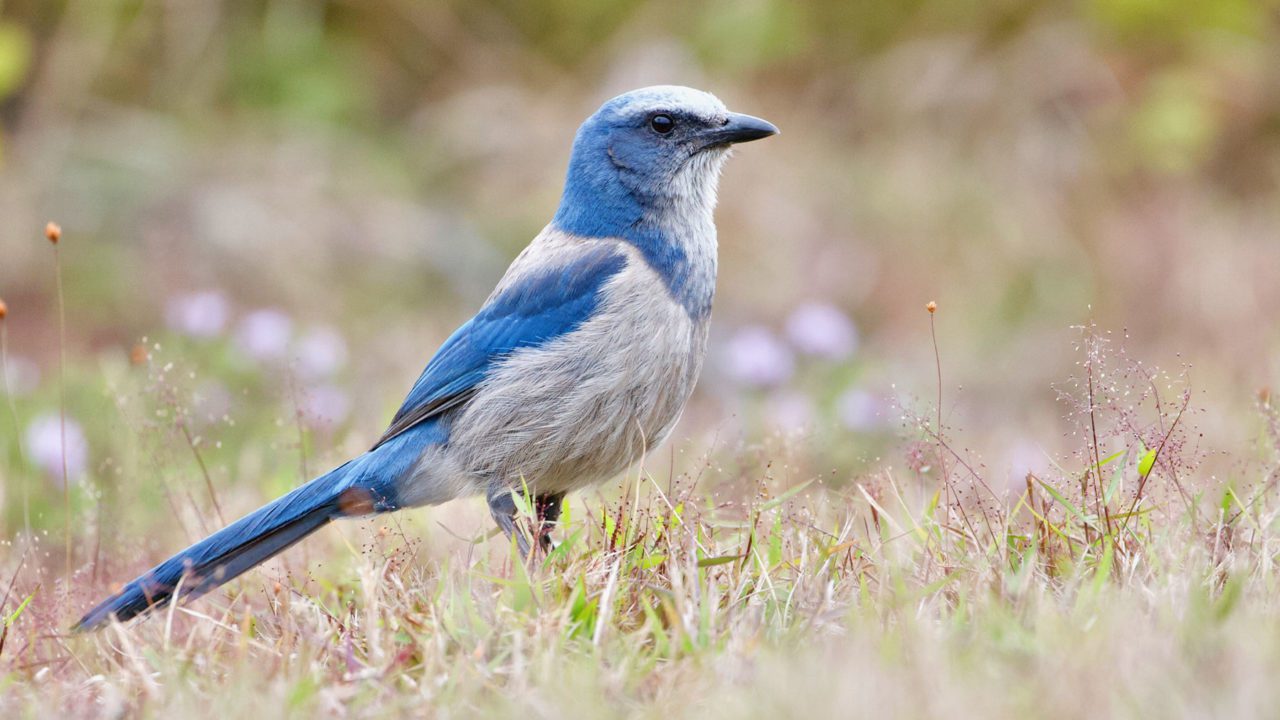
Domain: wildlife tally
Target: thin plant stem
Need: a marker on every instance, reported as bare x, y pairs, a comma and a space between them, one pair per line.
1102, 509
204, 470
62, 398
937, 363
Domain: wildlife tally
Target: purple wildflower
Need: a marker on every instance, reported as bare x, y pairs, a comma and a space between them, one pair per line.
24, 376
199, 315
43, 441
791, 411
822, 330
860, 410
264, 335
1024, 457
755, 357
325, 404
321, 352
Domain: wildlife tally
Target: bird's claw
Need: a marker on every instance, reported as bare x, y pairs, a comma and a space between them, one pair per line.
547, 513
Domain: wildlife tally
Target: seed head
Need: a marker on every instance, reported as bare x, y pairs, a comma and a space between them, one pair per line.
53, 232
932, 307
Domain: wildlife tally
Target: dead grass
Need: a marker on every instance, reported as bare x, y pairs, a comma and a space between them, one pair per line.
1123, 584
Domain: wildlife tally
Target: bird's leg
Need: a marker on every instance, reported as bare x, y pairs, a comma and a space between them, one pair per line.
547, 513
503, 509
548, 509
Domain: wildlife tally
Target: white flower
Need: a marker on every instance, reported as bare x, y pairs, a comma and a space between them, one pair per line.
43, 441
200, 315
822, 330
264, 335
755, 357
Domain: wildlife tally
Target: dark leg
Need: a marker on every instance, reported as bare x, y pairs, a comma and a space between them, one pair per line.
548, 507
503, 509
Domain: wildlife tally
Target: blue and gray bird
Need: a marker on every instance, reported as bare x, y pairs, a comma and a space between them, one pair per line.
580, 360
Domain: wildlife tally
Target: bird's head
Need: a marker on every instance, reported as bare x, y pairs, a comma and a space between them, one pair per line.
648, 156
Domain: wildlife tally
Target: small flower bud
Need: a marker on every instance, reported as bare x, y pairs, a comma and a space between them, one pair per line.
53, 232
932, 307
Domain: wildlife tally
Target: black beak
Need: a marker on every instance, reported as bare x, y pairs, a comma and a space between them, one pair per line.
739, 128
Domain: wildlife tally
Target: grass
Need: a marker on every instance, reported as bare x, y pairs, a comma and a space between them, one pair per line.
1127, 584
358, 167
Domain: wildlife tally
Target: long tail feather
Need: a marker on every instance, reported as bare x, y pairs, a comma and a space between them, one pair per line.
240, 546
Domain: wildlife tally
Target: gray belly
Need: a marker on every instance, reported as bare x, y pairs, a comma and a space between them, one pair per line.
582, 408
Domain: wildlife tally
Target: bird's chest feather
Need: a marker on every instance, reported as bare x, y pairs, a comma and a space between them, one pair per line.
583, 407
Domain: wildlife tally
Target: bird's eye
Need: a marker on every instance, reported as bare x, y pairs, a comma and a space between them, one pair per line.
662, 124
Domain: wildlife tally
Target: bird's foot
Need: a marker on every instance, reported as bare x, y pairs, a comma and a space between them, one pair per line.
537, 532
548, 511
502, 506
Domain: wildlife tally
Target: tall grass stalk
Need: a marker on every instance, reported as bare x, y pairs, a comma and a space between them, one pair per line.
932, 308
53, 233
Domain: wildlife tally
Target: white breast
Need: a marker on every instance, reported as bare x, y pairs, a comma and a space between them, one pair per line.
583, 407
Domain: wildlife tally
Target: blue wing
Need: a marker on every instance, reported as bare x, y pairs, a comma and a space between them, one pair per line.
540, 306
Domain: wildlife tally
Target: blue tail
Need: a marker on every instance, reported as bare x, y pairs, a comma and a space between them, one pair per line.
243, 544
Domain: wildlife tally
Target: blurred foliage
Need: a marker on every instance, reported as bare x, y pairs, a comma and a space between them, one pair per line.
373, 164
15, 57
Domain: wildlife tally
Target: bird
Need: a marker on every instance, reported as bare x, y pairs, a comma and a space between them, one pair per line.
580, 360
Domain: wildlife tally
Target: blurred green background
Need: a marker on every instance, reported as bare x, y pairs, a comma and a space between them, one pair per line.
295, 202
